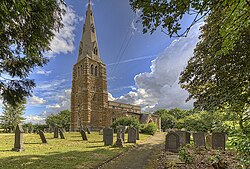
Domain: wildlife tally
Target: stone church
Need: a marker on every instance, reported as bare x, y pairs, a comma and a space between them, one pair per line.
89, 98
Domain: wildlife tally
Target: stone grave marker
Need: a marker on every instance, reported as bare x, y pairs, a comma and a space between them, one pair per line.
61, 133
199, 139
172, 142
42, 136
56, 132
108, 134
219, 140
132, 135
208, 140
101, 132
18, 145
83, 134
137, 134
88, 130
121, 132
184, 137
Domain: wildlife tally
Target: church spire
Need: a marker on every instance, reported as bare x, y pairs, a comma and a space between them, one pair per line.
88, 45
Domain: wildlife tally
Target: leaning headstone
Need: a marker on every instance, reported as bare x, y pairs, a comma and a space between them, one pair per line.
61, 133
172, 142
132, 135
208, 140
137, 134
56, 132
88, 130
18, 146
42, 136
184, 137
83, 134
108, 136
199, 139
219, 141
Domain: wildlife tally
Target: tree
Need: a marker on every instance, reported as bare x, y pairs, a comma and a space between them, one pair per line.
26, 29
219, 80
61, 120
126, 121
12, 115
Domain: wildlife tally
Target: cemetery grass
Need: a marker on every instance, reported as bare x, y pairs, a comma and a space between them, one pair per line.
59, 153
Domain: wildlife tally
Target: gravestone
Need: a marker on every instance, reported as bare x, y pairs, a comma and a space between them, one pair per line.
56, 132
119, 142
137, 134
61, 133
184, 137
18, 145
172, 142
199, 139
42, 136
83, 134
132, 135
121, 132
219, 141
108, 136
208, 140
88, 130
101, 132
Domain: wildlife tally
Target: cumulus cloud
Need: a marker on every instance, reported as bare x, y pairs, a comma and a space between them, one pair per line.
63, 42
35, 100
35, 119
159, 88
62, 101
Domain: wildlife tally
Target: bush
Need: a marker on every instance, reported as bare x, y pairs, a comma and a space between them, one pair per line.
185, 155
150, 128
126, 121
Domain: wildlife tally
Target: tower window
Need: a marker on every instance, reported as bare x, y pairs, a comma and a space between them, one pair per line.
96, 73
81, 70
78, 73
95, 51
92, 69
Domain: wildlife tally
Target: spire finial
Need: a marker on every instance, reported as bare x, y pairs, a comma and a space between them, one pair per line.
89, 2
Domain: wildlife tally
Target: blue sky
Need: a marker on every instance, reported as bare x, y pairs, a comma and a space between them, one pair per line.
142, 69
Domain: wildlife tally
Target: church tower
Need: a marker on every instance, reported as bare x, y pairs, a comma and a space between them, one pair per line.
89, 97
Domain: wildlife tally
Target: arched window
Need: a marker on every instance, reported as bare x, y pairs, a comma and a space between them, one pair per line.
81, 70
78, 73
96, 71
92, 69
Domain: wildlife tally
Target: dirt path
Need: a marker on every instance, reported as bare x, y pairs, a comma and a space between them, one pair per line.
140, 157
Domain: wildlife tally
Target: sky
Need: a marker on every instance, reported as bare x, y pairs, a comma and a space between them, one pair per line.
142, 69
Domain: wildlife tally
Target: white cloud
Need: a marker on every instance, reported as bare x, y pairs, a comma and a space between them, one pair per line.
50, 85
159, 88
43, 72
35, 100
54, 106
62, 101
63, 42
35, 119
110, 97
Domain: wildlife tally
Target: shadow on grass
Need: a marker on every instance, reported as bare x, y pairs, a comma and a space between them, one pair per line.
55, 160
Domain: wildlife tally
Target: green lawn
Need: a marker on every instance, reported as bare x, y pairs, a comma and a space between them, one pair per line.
57, 153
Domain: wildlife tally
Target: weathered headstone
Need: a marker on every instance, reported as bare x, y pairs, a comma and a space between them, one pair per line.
56, 132
42, 136
83, 134
61, 133
121, 132
119, 142
199, 139
184, 137
108, 136
137, 134
88, 130
18, 145
172, 142
208, 140
132, 135
219, 141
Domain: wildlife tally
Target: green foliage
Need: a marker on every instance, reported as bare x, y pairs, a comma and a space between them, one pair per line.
242, 144
185, 155
26, 29
12, 115
167, 121
149, 128
61, 120
126, 121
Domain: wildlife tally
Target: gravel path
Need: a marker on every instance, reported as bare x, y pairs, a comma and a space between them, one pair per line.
140, 157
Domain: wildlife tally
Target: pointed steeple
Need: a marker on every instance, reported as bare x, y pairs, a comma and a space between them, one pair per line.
88, 45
